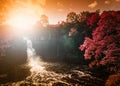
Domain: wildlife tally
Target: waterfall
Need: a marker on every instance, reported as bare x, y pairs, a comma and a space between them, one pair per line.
34, 60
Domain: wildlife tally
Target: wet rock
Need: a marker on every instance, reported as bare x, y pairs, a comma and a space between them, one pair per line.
80, 78
60, 84
52, 78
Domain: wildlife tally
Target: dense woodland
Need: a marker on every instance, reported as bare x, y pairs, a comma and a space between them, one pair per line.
93, 36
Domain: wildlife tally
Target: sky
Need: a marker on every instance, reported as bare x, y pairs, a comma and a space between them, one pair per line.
57, 10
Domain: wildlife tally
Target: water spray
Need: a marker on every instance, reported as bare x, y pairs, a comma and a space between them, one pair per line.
34, 61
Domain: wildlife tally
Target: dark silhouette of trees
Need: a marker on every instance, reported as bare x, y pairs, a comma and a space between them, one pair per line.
75, 29
72, 17
44, 20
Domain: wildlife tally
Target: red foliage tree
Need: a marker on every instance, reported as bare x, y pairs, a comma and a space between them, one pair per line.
93, 19
104, 47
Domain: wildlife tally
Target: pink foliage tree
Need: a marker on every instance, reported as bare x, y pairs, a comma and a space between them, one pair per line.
104, 47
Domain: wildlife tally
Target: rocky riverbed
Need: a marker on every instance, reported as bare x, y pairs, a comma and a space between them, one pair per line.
53, 74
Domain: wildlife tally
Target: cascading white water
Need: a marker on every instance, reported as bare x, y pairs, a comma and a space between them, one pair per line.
33, 60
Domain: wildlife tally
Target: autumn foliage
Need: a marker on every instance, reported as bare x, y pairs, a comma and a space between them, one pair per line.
104, 46
113, 80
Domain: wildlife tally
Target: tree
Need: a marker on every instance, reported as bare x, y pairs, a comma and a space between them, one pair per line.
82, 17
88, 22
72, 17
43, 22
103, 48
93, 20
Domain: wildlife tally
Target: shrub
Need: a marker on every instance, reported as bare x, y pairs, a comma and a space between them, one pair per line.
113, 80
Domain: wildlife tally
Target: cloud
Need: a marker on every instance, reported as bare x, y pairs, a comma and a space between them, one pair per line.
60, 4
93, 5
41, 2
107, 2
60, 7
117, 0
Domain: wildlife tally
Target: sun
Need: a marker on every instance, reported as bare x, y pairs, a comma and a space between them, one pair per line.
22, 21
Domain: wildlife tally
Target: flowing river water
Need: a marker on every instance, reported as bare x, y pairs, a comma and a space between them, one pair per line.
53, 74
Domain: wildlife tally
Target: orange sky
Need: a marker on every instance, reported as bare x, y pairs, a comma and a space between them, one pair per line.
56, 10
